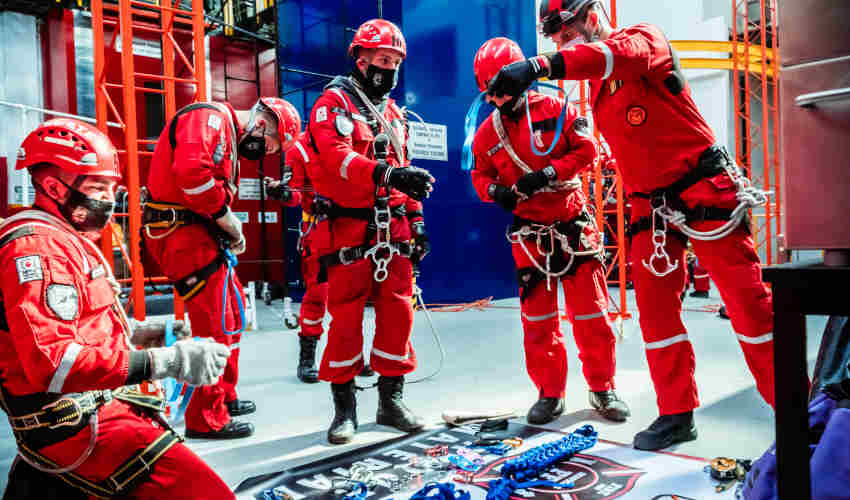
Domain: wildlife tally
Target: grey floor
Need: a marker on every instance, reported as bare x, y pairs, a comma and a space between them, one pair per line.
484, 369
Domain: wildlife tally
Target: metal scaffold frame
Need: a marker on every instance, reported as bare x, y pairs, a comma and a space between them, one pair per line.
127, 18
755, 74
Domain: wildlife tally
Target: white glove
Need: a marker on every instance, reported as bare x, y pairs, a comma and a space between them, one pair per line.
196, 363
233, 227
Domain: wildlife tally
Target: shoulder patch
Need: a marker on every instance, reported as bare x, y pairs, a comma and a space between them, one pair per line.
63, 300
214, 121
321, 114
29, 268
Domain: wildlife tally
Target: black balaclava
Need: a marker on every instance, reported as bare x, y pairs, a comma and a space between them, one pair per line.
98, 212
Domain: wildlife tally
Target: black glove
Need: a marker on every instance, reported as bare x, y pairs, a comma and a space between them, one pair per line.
279, 191
504, 197
412, 181
515, 78
532, 182
421, 246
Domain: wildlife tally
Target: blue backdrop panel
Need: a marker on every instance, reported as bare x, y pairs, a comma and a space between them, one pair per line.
470, 256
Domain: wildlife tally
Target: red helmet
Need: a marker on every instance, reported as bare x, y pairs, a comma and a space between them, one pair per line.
556, 13
490, 58
378, 34
288, 120
71, 145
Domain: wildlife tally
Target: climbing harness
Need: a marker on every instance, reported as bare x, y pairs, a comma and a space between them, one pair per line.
664, 213
545, 238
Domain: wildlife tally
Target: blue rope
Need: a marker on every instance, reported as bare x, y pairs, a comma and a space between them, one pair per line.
358, 493
467, 161
444, 491
558, 127
231, 263
471, 125
522, 471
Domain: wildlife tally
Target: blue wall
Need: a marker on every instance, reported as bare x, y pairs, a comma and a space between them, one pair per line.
470, 256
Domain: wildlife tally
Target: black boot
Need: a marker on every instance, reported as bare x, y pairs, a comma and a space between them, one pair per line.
667, 430
344, 424
700, 294
610, 406
391, 409
307, 372
545, 410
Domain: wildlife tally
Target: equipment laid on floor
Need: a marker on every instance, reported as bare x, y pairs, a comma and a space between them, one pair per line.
400, 467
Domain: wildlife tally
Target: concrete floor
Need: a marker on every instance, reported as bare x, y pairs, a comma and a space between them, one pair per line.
484, 369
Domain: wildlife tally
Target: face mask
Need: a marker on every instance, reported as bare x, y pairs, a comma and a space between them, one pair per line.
381, 81
98, 212
513, 108
252, 147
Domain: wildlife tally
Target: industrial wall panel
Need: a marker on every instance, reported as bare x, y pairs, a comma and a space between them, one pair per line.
470, 256
813, 29
815, 155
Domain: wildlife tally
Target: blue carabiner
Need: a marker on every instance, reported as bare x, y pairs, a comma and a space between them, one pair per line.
558, 127
232, 262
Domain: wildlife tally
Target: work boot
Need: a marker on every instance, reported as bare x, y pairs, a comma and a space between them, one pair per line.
667, 430
391, 409
240, 407
366, 371
344, 424
722, 312
699, 294
545, 410
307, 371
232, 430
609, 405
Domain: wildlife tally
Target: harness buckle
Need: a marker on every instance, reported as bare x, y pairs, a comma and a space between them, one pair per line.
60, 404
343, 256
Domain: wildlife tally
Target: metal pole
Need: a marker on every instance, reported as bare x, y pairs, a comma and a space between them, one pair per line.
380, 9
238, 29
25, 107
765, 119
131, 136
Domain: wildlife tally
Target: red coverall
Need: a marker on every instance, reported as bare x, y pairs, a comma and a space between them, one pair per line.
199, 175
700, 277
42, 353
343, 174
585, 291
315, 300
657, 136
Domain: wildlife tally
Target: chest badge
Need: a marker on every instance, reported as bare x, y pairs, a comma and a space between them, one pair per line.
614, 86
63, 300
636, 115
344, 125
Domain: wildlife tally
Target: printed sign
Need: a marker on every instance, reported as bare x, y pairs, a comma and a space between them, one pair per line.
428, 142
244, 217
249, 189
271, 217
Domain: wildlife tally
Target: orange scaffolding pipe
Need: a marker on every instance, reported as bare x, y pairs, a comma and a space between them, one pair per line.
130, 18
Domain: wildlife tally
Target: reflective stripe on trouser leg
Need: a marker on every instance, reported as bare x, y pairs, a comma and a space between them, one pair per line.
586, 299
207, 410
734, 267
348, 288
392, 353
545, 353
670, 355
315, 300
